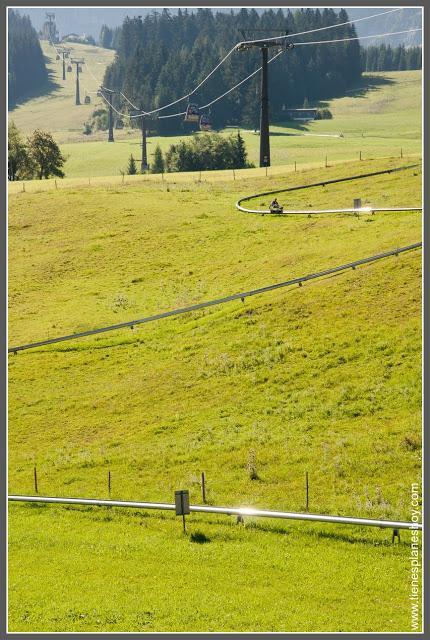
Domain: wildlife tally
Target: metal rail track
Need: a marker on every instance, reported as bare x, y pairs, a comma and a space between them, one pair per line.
311, 212
217, 301
229, 511
323, 184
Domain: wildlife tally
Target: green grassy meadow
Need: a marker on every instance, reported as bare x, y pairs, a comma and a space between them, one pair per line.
324, 379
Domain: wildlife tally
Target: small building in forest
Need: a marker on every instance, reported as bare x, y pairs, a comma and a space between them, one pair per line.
301, 114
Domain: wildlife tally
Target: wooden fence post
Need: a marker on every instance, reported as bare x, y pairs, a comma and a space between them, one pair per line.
36, 489
307, 491
203, 487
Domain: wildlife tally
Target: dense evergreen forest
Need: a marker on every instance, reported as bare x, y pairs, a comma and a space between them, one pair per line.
387, 58
161, 57
27, 71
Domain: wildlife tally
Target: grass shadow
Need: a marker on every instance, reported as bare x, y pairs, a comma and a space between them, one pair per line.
199, 537
50, 86
367, 84
352, 539
291, 124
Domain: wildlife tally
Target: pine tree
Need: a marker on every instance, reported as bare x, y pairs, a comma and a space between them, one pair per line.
131, 169
158, 164
106, 36
240, 152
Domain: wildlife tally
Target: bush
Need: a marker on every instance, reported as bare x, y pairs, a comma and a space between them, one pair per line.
207, 152
323, 114
252, 465
88, 129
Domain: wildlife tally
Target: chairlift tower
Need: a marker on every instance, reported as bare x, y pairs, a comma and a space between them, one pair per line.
108, 94
77, 62
144, 157
64, 53
264, 45
49, 27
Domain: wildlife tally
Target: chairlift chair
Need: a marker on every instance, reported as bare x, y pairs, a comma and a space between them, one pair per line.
87, 100
205, 123
57, 57
69, 68
192, 113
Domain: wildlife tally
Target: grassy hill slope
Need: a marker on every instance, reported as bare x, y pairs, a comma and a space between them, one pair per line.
56, 111
323, 378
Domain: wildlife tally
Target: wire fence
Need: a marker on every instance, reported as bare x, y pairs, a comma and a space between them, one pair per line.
195, 177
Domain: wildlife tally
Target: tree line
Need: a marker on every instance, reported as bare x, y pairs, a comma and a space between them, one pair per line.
26, 66
387, 58
37, 157
160, 57
109, 37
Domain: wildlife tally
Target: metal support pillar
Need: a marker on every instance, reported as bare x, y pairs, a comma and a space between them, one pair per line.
78, 97
264, 45
110, 136
264, 112
77, 94
144, 157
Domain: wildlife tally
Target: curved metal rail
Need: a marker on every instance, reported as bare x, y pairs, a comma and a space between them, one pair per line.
210, 303
323, 184
310, 212
230, 511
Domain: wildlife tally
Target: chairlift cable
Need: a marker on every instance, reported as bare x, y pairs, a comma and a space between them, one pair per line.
228, 54
332, 26
187, 96
205, 106
379, 35
376, 35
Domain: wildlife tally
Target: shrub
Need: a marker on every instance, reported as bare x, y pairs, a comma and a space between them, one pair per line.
252, 465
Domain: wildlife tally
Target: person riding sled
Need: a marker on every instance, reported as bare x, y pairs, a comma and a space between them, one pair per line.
275, 206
